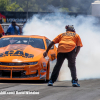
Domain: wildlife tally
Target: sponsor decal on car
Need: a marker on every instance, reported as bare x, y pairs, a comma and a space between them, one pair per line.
42, 76
42, 70
53, 57
16, 60
44, 64
16, 53
33, 71
46, 58
17, 47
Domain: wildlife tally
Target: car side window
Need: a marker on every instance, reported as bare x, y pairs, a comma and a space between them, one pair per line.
37, 43
48, 42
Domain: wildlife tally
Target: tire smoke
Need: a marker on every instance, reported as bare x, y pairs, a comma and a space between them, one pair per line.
87, 61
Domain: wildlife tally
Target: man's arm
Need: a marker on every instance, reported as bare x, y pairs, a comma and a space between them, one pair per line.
77, 50
50, 45
20, 29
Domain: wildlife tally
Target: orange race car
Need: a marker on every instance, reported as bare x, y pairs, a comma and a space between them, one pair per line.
21, 58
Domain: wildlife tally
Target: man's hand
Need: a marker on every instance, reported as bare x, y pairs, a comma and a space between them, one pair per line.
17, 25
45, 54
50, 45
19, 28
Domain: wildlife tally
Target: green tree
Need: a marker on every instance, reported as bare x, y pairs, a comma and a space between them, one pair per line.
8, 5
43, 5
12, 7
3, 4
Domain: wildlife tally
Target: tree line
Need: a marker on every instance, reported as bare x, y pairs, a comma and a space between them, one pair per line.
46, 5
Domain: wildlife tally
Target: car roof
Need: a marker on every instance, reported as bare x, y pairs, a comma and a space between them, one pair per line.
31, 36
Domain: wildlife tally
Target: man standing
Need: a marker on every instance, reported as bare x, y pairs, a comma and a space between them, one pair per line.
1, 36
14, 29
69, 46
1, 30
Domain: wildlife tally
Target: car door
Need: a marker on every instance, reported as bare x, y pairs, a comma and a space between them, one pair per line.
52, 54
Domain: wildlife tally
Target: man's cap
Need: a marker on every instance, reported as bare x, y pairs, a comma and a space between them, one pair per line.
70, 27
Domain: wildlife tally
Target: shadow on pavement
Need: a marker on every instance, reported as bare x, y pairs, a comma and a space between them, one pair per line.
24, 81
62, 86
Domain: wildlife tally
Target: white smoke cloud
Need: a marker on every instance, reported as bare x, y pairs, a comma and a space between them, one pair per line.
87, 62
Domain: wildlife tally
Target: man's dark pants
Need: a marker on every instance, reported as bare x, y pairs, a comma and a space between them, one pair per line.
71, 64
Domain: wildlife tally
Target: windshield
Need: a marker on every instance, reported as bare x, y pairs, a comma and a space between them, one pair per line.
34, 42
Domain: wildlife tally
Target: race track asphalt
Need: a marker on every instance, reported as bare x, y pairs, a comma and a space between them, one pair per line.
62, 90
